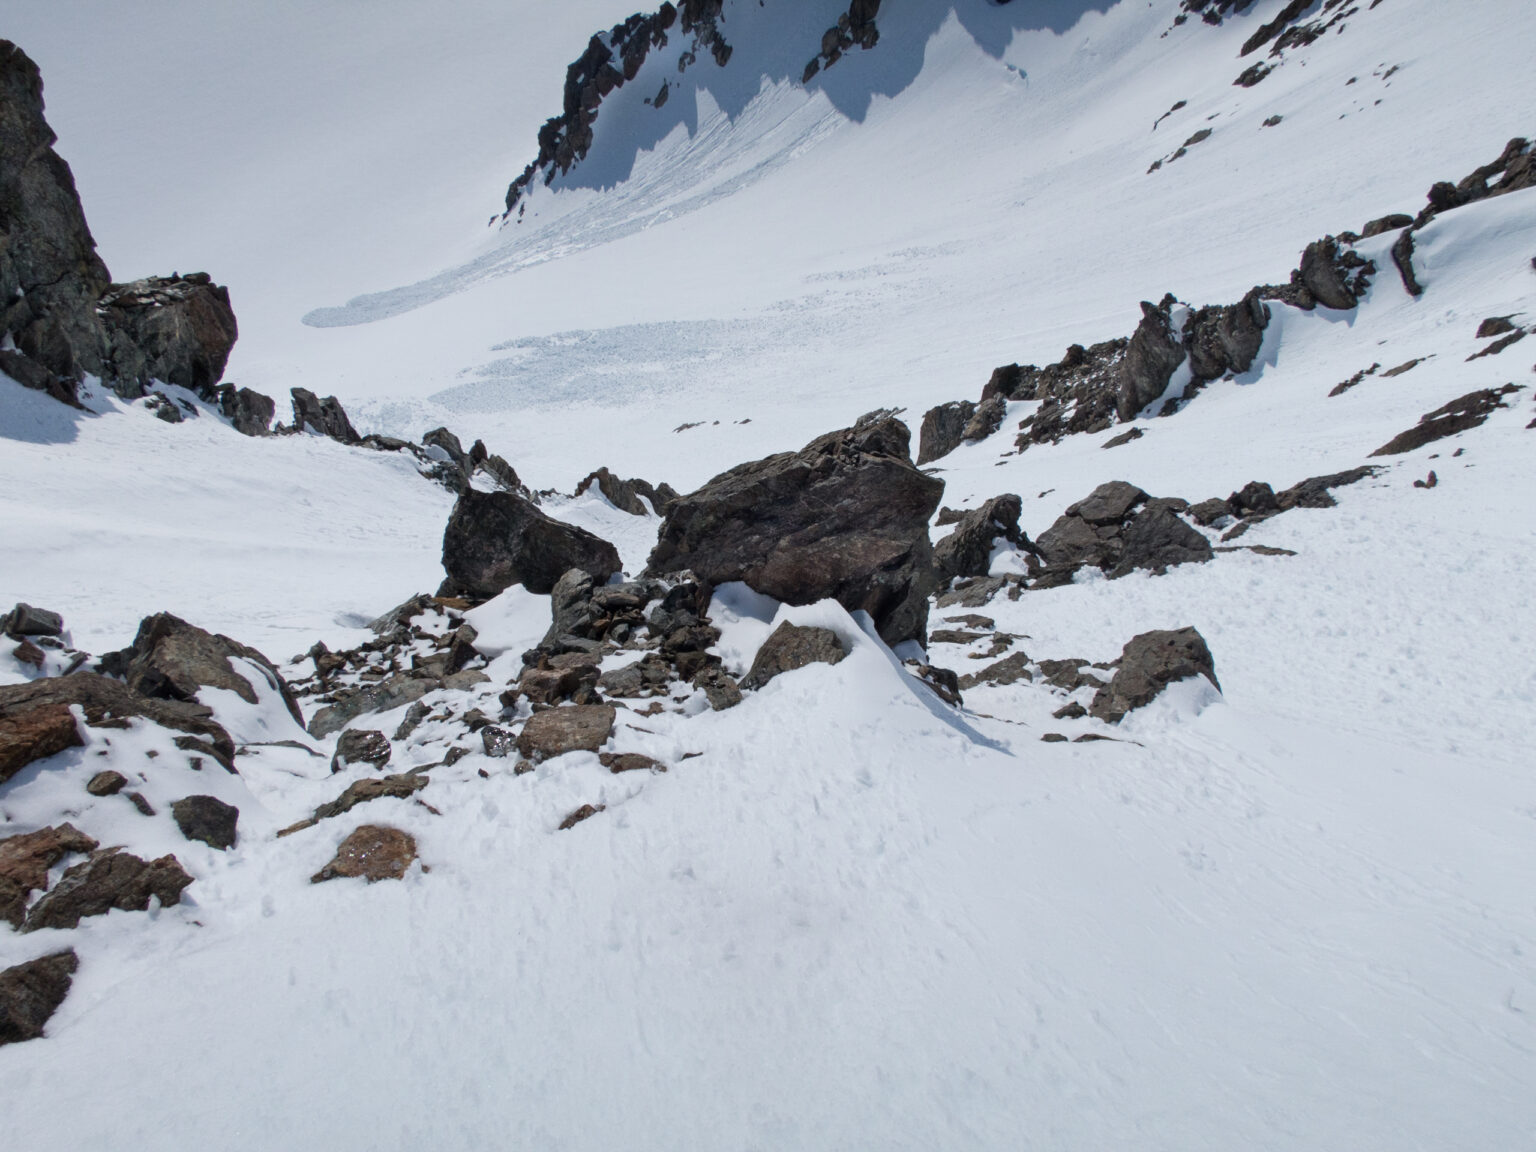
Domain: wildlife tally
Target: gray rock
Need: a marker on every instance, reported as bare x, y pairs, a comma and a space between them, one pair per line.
399, 787
176, 329
986, 419
361, 746
384, 696
719, 688
1155, 351
1156, 540
1314, 491
1336, 277
846, 517
249, 412
967, 551
497, 742
791, 647
25, 620
1110, 503
943, 430
648, 676
1225, 339
1460, 415
1149, 663
31, 993
327, 417
497, 539
110, 879
207, 818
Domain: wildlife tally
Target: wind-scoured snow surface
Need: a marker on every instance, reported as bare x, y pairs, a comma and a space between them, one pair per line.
1296, 915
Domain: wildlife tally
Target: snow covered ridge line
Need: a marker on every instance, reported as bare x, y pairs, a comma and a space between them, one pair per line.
61, 317
1177, 349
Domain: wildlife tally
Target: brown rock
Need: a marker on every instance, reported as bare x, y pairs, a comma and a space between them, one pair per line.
617, 762
574, 728
791, 647
400, 787
107, 783
110, 879
373, 852
1149, 663
585, 812
24, 864
30, 994
34, 735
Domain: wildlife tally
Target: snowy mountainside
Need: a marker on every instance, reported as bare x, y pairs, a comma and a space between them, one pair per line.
843, 909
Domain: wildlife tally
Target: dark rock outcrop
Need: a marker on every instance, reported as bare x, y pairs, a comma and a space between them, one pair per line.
1460, 415
791, 647
35, 720
57, 301
846, 517
250, 413
31, 993
373, 852
361, 746
25, 620
967, 551
943, 429
171, 659
398, 787
1079, 393
1119, 529
1222, 339
625, 495
208, 819
497, 539
24, 864
1149, 663
110, 879
326, 417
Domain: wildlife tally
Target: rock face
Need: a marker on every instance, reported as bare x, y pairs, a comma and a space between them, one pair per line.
32, 726
625, 495
1460, 415
176, 329
845, 517
109, 879
497, 539
943, 429
1222, 339
249, 412
327, 417
207, 818
31, 993
1155, 351
1119, 529
57, 301
1149, 663
171, 659
24, 864
556, 731
790, 647
967, 551
372, 852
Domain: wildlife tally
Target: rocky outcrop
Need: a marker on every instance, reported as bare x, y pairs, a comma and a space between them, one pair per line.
1148, 664
943, 429
57, 300
1118, 528
31, 993
1460, 415
1153, 354
25, 861
250, 413
33, 718
171, 660
967, 551
326, 417
856, 26
497, 539
110, 879
846, 517
790, 647
626, 495
372, 852
207, 819
1225, 338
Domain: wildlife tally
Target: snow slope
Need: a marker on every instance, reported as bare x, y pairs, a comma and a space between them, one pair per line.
1291, 916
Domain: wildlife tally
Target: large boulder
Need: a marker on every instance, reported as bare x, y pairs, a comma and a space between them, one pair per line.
846, 517
178, 330
1154, 353
249, 412
1225, 338
31, 993
327, 417
575, 728
171, 659
1148, 664
35, 718
110, 879
943, 429
1118, 528
497, 539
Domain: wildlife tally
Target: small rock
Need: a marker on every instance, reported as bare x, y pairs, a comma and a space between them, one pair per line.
498, 742
720, 689
1072, 711
29, 653
1149, 663
586, 811
361, 746
144, 806
399, 787
791, 647
1493, 326
373, 852
617, 762
414, 715
107, 783
1054, 738
30, 993
208, 819
25, 620
1008, 670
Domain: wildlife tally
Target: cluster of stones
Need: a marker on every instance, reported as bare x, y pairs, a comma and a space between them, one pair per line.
855, 27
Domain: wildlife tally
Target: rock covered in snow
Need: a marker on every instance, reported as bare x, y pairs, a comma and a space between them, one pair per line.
110, 879
1149, 663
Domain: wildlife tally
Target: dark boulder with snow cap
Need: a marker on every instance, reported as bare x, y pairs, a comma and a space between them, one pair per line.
845, 518
967, 551
497, 539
